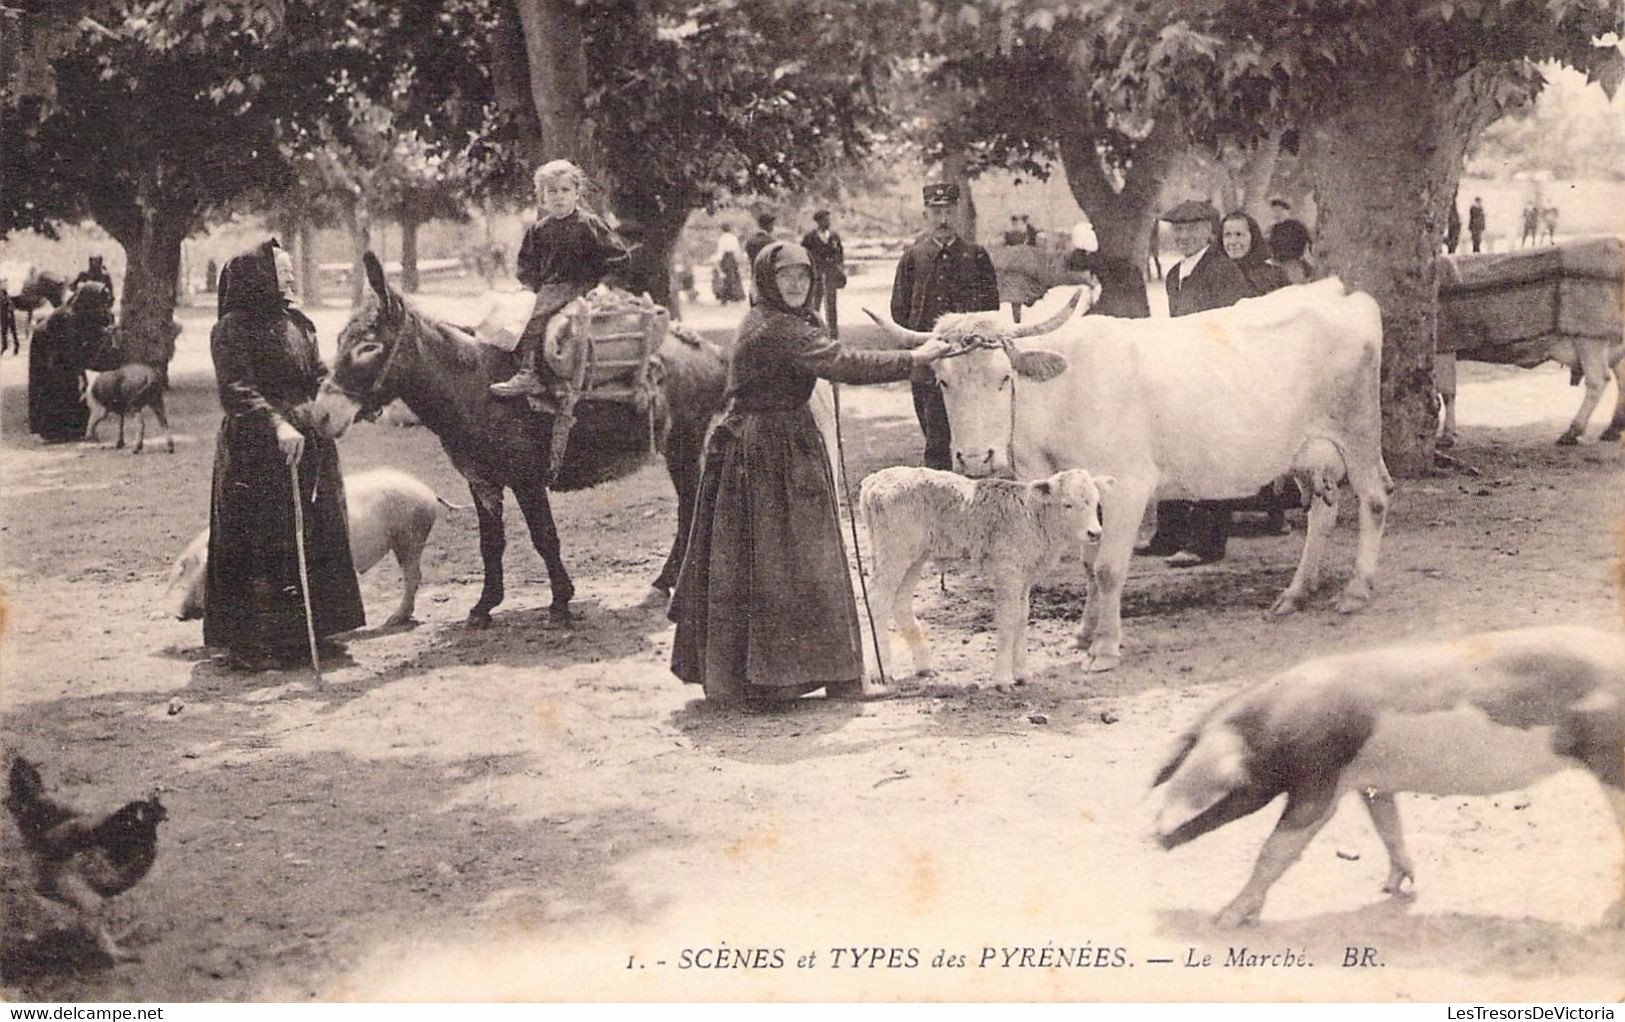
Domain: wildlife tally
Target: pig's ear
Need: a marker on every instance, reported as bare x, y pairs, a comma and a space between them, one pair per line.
1043, 488
1105, 483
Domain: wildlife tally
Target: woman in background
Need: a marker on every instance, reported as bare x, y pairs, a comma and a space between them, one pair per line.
1244, 244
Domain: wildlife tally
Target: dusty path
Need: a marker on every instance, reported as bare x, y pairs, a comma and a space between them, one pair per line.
514, 813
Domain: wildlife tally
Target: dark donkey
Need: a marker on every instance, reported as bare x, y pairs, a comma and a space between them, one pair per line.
390, 350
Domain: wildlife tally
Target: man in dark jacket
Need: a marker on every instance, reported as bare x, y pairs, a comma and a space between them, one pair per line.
823, 245
1476, 222
1204, 278
941, 273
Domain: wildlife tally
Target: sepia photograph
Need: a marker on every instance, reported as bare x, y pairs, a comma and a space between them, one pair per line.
864, 501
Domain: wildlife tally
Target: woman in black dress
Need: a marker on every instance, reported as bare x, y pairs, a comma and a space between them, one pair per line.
267, 368
58, 353
763, 604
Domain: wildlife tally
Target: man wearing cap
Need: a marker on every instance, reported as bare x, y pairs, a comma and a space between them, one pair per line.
1203, 279
823, 245
941, 273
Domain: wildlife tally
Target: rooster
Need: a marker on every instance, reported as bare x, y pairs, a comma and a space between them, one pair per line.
78, 862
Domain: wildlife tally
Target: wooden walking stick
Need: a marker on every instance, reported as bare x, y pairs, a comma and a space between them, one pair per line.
304, 573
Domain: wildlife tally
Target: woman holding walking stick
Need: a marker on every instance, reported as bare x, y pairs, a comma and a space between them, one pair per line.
267, 368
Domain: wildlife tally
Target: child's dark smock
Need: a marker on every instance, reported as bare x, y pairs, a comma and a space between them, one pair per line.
564, 257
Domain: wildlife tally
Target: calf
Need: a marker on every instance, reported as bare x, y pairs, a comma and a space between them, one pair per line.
1014, 530
388, 510
1472, 716
129, 390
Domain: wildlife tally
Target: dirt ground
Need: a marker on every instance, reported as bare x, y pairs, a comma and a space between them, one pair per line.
541, 811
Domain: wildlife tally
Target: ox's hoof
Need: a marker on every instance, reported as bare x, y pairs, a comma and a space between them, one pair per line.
1612, 433
1569, 439
1352, 602
1287, 603
1102, 662
479, 619
402, 620
560, 613
1445, 441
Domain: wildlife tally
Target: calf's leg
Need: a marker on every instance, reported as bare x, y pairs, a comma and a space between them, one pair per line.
909, 626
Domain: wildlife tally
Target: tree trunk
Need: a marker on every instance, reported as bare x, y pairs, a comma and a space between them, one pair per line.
409, 255
359, 225
310, 267
556, 51
954, 172
152, 253
1257, 172
657, 233
1380, 224
1122, 219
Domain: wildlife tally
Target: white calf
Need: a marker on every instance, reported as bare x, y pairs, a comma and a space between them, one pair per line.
1013, 530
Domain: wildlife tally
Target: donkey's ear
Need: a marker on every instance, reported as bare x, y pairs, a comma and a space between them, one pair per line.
375, 276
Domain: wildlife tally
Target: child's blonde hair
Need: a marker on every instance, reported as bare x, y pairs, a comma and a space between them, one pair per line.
554, 170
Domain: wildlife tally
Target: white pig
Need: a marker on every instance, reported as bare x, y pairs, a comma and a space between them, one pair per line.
389, 511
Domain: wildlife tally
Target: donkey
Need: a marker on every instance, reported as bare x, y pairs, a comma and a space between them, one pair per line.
389, 350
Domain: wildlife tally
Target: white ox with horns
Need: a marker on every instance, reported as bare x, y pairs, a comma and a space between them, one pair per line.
1211, 406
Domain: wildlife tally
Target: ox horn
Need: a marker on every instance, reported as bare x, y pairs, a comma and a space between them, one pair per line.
910, 338
1054, 322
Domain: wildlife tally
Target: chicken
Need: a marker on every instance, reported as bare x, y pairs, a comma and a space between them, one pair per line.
80, 863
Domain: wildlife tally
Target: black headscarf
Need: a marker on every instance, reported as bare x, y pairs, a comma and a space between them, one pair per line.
1257, 250
769, 261
248, 284
248, 281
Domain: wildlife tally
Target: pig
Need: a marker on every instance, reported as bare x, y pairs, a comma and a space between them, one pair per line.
1476, 715
389, 511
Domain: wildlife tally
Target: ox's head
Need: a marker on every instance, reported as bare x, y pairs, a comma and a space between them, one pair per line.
359, 386
978, 378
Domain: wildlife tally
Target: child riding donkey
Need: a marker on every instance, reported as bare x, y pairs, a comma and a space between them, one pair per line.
565, 254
